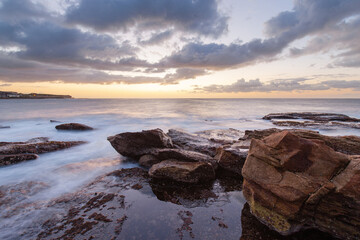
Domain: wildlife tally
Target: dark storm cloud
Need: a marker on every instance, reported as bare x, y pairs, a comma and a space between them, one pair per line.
282, 85
200, 16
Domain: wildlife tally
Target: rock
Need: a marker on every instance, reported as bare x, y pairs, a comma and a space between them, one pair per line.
345, 144
2, 127
292, 182
312, 116
183, 156
148, 160
54, 121
338, 211
36, 148
15, 152
137, 144
193, 142
231, 159
73, 126
16, 158
222, 136
316, 124
186, 172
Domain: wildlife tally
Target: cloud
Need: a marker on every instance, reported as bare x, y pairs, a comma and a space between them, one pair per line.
157, 38
282, 85
200, 16
308, 18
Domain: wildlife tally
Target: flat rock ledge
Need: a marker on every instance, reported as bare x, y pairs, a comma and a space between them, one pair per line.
313, 120
292, 183
73, 127
16, 152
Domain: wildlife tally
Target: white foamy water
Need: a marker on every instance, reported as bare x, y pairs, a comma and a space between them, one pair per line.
67, 170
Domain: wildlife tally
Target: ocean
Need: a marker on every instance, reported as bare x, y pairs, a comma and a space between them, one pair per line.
68, 170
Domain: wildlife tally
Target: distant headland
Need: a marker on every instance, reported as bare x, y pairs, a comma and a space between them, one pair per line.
16, 95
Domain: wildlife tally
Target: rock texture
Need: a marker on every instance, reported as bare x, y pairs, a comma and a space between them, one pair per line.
314, 120
15, 152
312, 116
345, 144
137, 144
193, 142
73, 126
291, 182
186, 172
231, 159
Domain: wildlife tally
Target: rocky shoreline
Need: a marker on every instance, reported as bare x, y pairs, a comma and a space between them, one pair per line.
296, 184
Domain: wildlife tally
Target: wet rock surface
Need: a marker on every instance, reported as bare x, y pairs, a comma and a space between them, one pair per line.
16, 158
193, 142
292, 182
137, 144
73, 127
187, 172
15, 152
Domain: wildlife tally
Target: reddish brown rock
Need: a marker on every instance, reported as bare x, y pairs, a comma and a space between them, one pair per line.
345, 144
137, 144
148, 160
73, 126
186, 172
231, 159
291, 182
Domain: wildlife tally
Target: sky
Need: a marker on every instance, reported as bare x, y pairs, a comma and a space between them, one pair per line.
181, 49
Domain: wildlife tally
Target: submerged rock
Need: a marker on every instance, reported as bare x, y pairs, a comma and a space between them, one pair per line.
187, 172
73, 126
292, 182
137, 144
312, 116
2, 127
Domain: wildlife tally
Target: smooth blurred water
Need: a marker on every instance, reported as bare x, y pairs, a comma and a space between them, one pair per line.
30, 118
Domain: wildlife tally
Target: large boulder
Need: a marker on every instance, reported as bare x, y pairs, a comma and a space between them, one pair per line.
186, 172
292, 182
73, 126
137, 144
